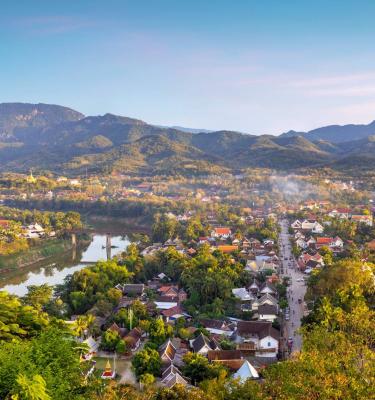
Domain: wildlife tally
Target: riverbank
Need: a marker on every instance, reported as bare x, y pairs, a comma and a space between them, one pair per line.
46, 249
120, 226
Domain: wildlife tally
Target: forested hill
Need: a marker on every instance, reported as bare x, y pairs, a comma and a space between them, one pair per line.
56, 138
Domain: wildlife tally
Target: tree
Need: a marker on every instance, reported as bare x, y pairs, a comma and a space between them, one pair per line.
52, 355
158, 331
197, 368
146, 379
31, 389
110, 340
18, 320
146, 361
164, 228
327, 255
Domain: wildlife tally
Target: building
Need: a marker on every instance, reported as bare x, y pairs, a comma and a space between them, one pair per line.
202, 345
264, 337
108, 373
221, 233
245, 372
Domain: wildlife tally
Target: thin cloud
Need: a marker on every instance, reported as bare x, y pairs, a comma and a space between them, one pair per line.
52, 24
348, 91
333, 80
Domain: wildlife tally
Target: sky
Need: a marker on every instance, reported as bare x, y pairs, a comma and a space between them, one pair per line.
255, 66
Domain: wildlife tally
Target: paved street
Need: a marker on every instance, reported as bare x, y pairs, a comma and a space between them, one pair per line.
297, 288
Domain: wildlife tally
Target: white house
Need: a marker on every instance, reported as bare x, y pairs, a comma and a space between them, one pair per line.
297, 224
300, 243
222, 233
317, 228
261, 333
267, 312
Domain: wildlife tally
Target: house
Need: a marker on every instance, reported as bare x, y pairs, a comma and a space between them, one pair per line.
216, 327
245, 372
267, 288
174, 313
133, 339
133, 290
34, 231
317, 228
261, 333
246, 243
362, 219
202, 344
92, 344
265, 299
232, 359
297, 224
172, 376
341, 213
301, 243
203, 239
167, 352
267, 312
336, 242
221, 233
268, 242
242, 294
299, 235
311, 241
312, 226
115, 328
227, 248
254, 287
305, 258
169, 291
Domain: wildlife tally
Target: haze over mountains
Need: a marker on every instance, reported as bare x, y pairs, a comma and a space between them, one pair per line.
62, 140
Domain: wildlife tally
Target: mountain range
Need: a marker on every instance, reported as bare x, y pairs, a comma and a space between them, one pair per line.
62, 140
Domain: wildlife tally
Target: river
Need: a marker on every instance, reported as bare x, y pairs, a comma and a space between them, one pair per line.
56, 269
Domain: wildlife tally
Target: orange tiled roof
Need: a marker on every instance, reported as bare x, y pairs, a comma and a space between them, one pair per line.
222, 231
227, 248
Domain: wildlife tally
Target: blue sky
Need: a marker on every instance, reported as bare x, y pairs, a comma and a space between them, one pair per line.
254, 66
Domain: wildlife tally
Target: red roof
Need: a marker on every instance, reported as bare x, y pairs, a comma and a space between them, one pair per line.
222, 231
172, 311
323, 240
343, 210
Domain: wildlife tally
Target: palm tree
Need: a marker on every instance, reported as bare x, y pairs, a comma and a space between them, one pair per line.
90, 320
80, 326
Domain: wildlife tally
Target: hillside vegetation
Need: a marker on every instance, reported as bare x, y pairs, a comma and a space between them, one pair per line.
55, 138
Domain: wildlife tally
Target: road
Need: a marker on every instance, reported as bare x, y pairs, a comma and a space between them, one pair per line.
296, 290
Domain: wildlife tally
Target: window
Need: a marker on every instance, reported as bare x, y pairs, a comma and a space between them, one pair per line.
269, 344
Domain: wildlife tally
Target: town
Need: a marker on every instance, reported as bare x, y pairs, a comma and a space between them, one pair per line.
210, 290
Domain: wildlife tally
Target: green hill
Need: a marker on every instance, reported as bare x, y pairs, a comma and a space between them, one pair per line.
59, 139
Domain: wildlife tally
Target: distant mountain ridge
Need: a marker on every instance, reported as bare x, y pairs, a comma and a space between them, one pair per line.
61, 140
336, 133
